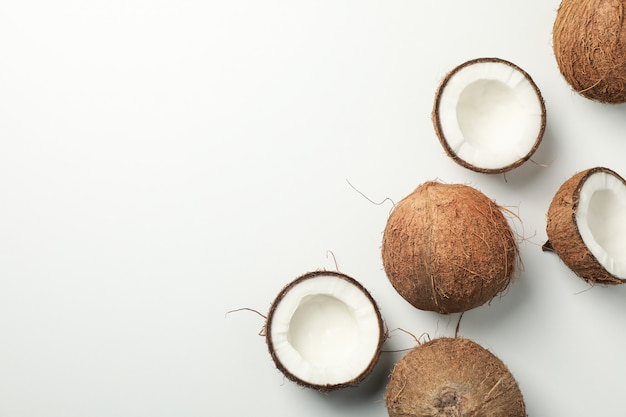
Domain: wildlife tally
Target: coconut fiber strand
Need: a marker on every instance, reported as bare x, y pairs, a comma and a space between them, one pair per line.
589, 41
453, 377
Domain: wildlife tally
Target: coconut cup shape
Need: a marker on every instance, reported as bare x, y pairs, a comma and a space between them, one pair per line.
489, 115
589, 43
325, 331
449, 377
586, 225
448, 248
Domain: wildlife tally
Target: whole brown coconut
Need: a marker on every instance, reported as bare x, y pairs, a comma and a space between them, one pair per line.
587, 207
453, 377
448, 248
589, 41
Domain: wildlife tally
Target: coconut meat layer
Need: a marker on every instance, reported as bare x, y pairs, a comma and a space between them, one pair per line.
490, 114
601, 221
325, 330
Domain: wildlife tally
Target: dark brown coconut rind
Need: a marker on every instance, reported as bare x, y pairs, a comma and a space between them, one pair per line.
328, 387
439, 129
563, 234
448, 248
589, 43
453, 377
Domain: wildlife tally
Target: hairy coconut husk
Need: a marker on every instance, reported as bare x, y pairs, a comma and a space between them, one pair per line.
439, 129
453, 377
589, 42
564, 237
448, 248
324, 387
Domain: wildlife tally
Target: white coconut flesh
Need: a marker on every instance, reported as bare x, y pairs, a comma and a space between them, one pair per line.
490, 114
601, 221
325, 331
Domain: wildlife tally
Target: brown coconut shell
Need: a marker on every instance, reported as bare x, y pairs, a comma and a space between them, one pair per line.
326, 387
448, 248
439, 129
564, 237
453, 377
589, 42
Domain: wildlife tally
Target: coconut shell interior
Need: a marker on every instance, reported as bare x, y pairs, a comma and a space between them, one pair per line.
324, 387
564, 237
436, 119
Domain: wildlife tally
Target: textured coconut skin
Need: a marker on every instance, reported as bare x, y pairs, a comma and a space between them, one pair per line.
448, 248
564, 237
589, 42
439, 129
327, 387
453, 377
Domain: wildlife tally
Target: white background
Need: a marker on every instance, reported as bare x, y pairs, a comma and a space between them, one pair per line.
163, 162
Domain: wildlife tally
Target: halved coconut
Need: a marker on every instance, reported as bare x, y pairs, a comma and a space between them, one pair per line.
489, 115
325, 331
586, 225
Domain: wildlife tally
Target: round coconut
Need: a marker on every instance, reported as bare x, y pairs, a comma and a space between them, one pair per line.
448, 248
586, 225
589, 42
489, 115
325, 331
449, 377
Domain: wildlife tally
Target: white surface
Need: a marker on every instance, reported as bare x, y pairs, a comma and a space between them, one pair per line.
163, 162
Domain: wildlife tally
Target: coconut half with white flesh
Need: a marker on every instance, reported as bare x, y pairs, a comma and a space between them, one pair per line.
586, 225
489, 115
325, 331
